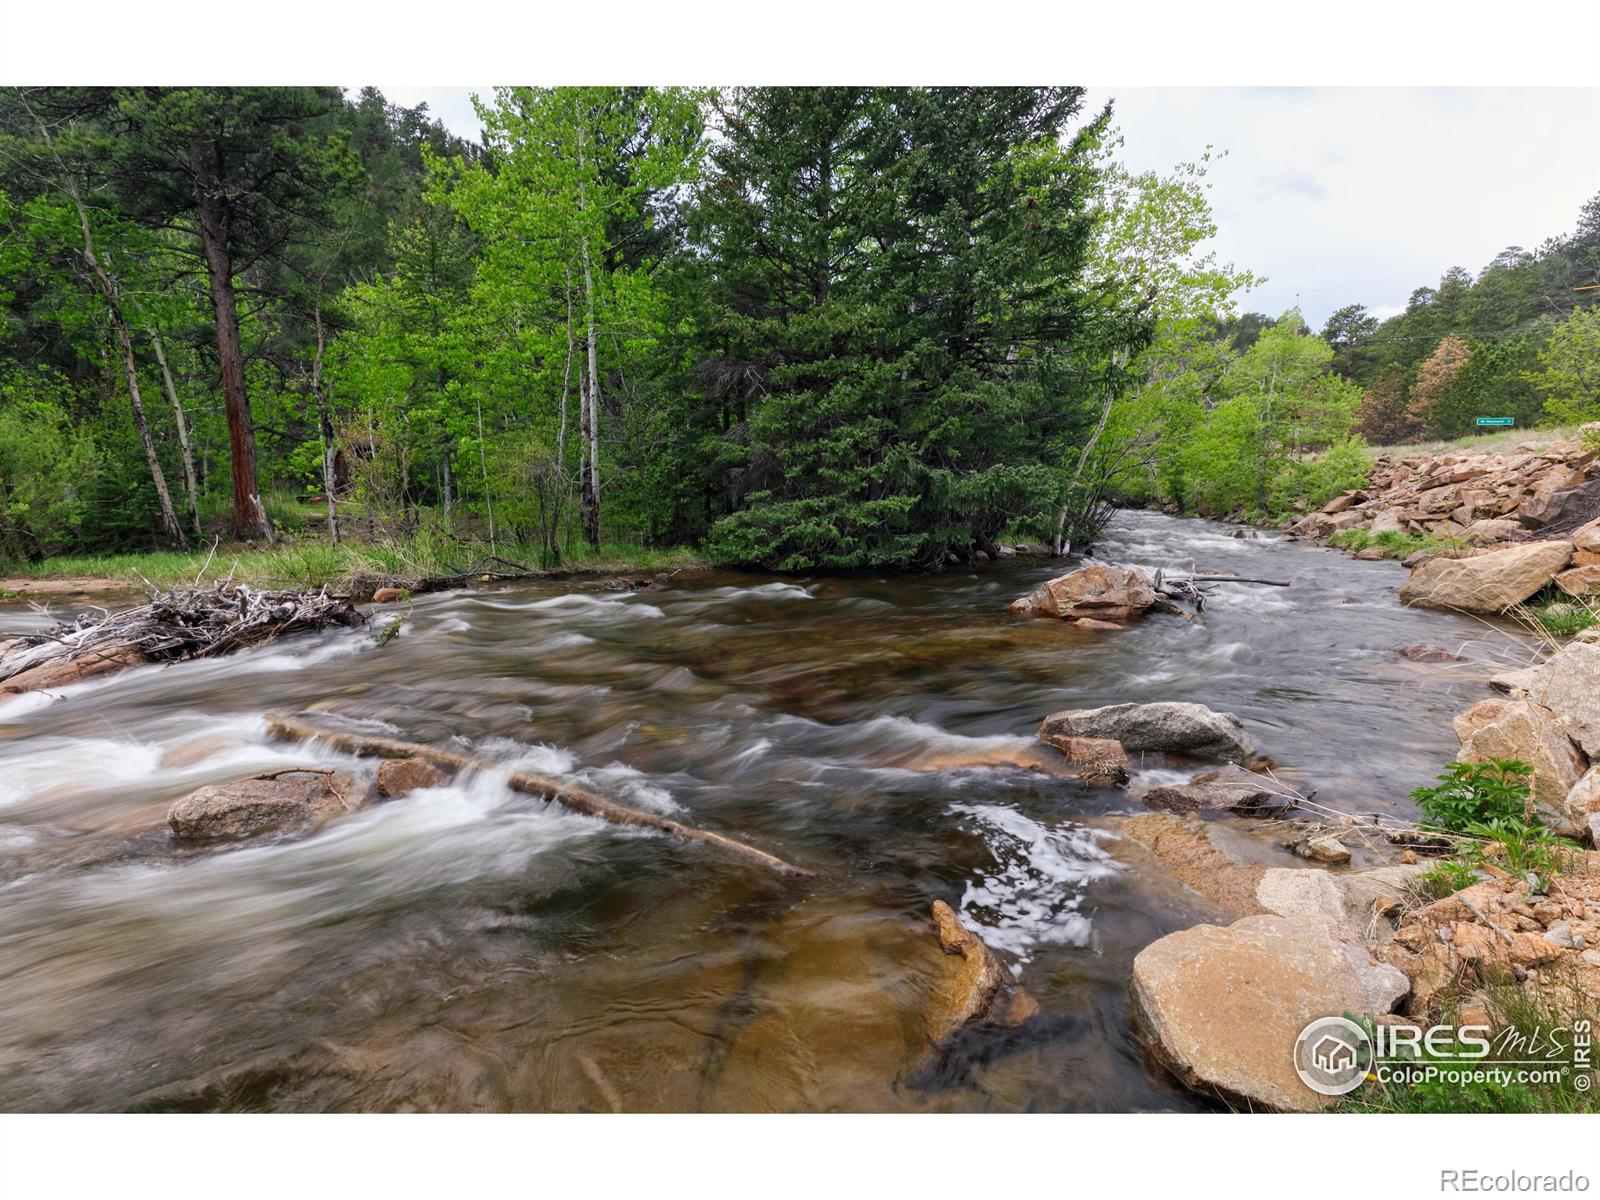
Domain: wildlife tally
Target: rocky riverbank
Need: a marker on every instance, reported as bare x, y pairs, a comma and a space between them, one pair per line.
1219, 1006
1534, 493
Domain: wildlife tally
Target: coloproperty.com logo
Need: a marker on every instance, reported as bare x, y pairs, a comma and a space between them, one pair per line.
1335, 1055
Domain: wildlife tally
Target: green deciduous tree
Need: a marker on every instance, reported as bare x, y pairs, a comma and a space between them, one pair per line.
1569, 369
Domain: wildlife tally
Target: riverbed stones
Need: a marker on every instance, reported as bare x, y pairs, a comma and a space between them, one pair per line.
1230, 788
1097, 592
1171, 726
1486, 583
1324, 849
1427, 652
1197, 854
1222, 1006
401, 776
1527, 732
294, 799
1101, 760
1514, 682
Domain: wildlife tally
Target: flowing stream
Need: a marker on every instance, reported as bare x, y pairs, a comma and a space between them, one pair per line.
471, 948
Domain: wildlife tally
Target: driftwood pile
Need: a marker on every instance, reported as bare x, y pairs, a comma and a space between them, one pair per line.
197, 622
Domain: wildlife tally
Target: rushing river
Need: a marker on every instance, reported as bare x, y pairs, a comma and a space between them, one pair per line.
472, 948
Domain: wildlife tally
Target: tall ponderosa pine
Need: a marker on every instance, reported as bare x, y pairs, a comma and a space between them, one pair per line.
252, 169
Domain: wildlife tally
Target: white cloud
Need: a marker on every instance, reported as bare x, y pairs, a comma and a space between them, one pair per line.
1360, 195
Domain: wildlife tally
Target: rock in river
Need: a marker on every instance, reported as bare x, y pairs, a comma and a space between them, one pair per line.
1096, 592
974, 981
1176, 727
401, 776
295, 799
1228, 788
1099, 760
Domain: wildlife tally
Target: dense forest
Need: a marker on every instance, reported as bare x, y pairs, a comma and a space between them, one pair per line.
799, 328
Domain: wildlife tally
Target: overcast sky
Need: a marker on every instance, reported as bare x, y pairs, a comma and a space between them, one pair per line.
1343, 195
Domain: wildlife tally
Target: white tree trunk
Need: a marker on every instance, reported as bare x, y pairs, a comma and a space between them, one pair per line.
190, 484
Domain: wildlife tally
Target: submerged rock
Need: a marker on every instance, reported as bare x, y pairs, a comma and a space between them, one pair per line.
295, 799
1486, 583
1426, 652
1097, 592
973, 982
1175, 727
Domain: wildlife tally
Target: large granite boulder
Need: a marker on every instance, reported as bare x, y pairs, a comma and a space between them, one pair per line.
1568, 684
1486, 583
1222, 1006
1171, 726
1095, 592
1527, 732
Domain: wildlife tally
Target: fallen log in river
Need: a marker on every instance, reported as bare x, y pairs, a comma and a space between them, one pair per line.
577, 799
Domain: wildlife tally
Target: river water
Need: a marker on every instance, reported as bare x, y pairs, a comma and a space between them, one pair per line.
470, 948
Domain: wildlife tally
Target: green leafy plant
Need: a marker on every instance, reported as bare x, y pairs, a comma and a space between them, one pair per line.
1527, 848
1477, 792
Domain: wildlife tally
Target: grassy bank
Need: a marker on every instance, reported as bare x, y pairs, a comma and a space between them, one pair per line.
312, 564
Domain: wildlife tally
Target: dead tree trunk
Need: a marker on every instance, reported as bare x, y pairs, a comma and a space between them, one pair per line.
190, 484
249, 515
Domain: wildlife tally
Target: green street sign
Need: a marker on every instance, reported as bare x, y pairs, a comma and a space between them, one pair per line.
1497, 420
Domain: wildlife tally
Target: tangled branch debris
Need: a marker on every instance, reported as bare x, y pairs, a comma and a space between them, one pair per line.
197, 622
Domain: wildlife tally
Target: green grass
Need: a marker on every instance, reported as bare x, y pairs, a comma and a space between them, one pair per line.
309, 563
1394, 544
1501, 441
1565, 616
